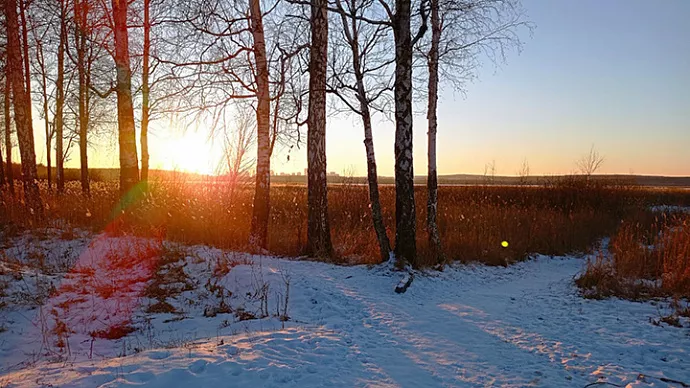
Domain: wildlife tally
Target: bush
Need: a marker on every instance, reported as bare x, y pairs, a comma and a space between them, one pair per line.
649, 256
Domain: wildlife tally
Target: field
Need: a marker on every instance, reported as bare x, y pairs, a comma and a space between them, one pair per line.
556, 219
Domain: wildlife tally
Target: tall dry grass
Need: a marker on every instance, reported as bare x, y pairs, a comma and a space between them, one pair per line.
649, 256
557, 219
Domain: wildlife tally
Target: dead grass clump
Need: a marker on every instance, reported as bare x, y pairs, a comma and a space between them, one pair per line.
212, 311
600, 281
648, 257
114, 332
244, 315
161, 307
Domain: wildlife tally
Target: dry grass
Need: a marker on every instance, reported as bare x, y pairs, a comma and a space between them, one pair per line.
559, 218
649, 256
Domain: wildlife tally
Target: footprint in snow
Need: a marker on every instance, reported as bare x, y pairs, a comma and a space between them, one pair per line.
198, 366
159, 355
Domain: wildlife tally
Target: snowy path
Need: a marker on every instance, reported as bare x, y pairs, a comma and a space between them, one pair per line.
470, 326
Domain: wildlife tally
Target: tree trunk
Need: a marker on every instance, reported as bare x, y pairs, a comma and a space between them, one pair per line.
405, 224
258, 237
8, 128
80, 13
25, 47
2, 165
318, 230
129, 165
40, 59
145, 95
432, 175
60, 101
352, 36
22, 105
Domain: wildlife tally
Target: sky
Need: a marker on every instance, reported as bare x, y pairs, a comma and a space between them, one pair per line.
613, 74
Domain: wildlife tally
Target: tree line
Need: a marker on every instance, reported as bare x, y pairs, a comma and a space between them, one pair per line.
292, 63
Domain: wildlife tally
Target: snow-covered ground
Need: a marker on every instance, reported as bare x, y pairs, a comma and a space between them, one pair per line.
670, 209
523, 325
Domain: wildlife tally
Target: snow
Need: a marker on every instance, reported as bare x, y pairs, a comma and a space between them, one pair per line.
470, 325
670, 209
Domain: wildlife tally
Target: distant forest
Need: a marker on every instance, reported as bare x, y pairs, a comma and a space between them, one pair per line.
112, 174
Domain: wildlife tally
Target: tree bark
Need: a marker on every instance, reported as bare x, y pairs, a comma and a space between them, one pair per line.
22, 106
129, 165
2, 164
60, 101
432, 174
405, 217
258, 237
352, 36
8, 128
80, 17
318, 230
40, 59
25, 48
145, 95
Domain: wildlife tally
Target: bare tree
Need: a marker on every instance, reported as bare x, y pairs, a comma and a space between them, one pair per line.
461, 33
81, 18
23, 5
236, 147
92, 27
22, 104
145, 93
60, 99
399, 18
361, 80
590, 163
490, 173
432, 172
8, 127
2, 166
129, 165
42, 67
318, 230
405, 214
225, 56
523, 172
259, 228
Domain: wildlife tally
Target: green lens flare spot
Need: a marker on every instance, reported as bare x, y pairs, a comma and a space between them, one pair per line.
504, 244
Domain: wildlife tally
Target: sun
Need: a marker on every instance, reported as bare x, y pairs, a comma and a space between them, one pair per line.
190, 151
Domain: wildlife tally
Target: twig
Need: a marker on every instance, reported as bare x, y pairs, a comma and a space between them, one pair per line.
602, 383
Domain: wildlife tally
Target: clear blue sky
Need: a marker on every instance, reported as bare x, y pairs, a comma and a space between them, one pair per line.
613, 73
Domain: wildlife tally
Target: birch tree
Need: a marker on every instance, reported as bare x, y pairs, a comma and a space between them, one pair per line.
145, 93
226, 57
21, 101
129, 165
462, 31
361, 80
60, 98
81, 28
5, 116
43, 67
318, 229
7, 102
405, 216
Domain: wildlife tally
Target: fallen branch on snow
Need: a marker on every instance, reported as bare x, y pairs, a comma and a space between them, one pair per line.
404, 283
